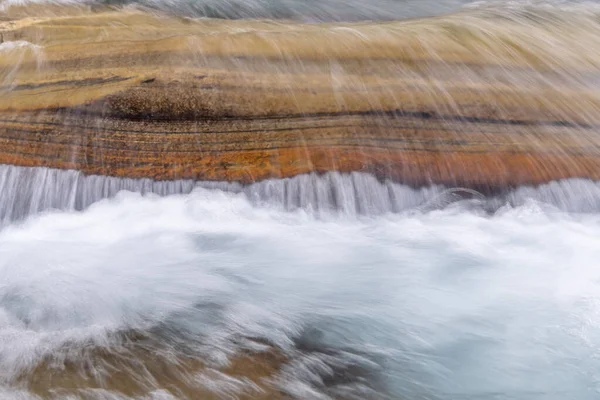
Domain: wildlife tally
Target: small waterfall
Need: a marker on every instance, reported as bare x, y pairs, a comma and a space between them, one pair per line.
496, 96
25, 191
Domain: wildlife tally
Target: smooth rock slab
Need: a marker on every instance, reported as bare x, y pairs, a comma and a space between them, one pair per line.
462, 100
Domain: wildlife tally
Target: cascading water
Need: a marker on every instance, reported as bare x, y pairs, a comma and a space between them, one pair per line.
329, 285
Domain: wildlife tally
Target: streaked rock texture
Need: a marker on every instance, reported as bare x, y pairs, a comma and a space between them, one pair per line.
133, 371
459, 100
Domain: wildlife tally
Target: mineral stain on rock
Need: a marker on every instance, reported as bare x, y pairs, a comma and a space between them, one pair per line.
134, 94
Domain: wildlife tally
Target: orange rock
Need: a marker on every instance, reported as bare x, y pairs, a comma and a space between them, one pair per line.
130, 94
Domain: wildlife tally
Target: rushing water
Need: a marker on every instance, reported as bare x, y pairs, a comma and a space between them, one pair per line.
26, 191
318, 10
311, 10
343, 285
454, 303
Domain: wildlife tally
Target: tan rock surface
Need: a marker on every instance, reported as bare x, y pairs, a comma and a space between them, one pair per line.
451, 100
135, 370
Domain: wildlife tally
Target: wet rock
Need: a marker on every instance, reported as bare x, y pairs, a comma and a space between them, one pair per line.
133, 94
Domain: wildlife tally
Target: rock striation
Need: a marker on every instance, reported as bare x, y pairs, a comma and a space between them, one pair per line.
460, 100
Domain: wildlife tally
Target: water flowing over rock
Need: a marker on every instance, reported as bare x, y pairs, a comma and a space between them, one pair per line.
474, 99
299, 207
26, 191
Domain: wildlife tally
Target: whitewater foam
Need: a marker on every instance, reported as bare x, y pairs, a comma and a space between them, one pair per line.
441, 304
